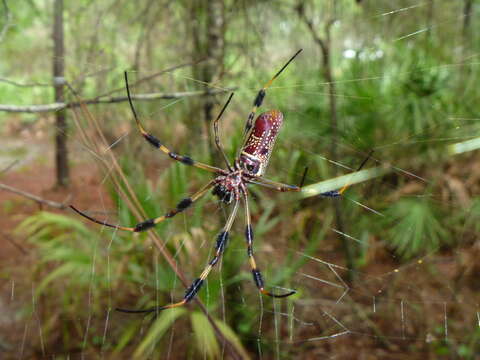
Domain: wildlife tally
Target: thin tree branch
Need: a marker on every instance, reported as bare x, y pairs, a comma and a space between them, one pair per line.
36, 198
82, 78
150, 77
15, 83
33, 84
301, 12
14, 243
324, 42
109, 100
9, 166
95, 73
103, 98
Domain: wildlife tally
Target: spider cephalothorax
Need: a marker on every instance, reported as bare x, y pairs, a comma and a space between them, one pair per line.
229, 185
253, 159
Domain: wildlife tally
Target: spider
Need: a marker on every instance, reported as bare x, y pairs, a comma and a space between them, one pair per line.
229, 185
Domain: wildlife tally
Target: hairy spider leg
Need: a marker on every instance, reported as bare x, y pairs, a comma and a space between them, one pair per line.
190, 293
257, 275
217, 137
157, 144
261, 95
148, 224
276, 185
279, 186
338, 193
304, 176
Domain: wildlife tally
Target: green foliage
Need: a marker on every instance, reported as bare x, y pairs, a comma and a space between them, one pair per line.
396, 95
68, 267
8, 206
65, 243
472, 215
61, 239
229, 334
204, 336
465, 348
163, 322
415, 227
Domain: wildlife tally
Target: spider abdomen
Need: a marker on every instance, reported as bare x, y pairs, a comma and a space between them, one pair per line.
259, 145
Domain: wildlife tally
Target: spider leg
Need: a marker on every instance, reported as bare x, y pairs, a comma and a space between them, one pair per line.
157, 144
148, 224
338, 193
217, 137
257, 275
220, 246
279, 186
276, 185
261, 94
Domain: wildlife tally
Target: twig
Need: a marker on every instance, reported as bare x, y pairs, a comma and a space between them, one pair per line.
15, 83
300, 8
92, 74
14, 243
109, 100
8, 167
36, 198
150, 77
82, 78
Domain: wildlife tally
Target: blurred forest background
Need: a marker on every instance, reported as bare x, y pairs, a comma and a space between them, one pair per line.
390, 270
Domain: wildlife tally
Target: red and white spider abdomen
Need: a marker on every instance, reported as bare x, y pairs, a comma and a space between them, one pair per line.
256, 153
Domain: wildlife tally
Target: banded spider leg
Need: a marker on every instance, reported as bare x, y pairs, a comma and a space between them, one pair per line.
220, 246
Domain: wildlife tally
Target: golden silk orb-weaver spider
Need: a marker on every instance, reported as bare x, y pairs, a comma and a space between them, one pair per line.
229, 185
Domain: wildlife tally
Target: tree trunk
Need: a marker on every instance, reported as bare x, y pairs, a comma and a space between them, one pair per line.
430, 18
332, 104
207, 32
324, 43
467, 18
213, 67
61, 153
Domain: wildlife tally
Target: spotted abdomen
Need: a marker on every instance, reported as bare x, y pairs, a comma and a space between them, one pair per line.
258, 147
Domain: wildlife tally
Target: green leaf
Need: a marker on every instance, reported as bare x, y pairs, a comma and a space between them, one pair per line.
204, 335
164, 321
415, 227
64, 270
233, 338
129, 332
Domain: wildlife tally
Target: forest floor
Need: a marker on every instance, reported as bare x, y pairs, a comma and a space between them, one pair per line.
17, 257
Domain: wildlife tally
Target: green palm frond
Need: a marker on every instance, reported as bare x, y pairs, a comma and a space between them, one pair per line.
415, 227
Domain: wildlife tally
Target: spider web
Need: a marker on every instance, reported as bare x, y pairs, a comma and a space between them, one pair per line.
389, 305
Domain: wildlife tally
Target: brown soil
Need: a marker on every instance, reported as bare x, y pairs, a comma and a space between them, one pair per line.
16, 254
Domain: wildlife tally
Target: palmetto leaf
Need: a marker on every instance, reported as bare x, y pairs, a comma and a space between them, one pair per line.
415, 227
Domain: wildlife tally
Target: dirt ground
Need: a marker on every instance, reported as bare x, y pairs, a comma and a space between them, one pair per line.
16, 255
